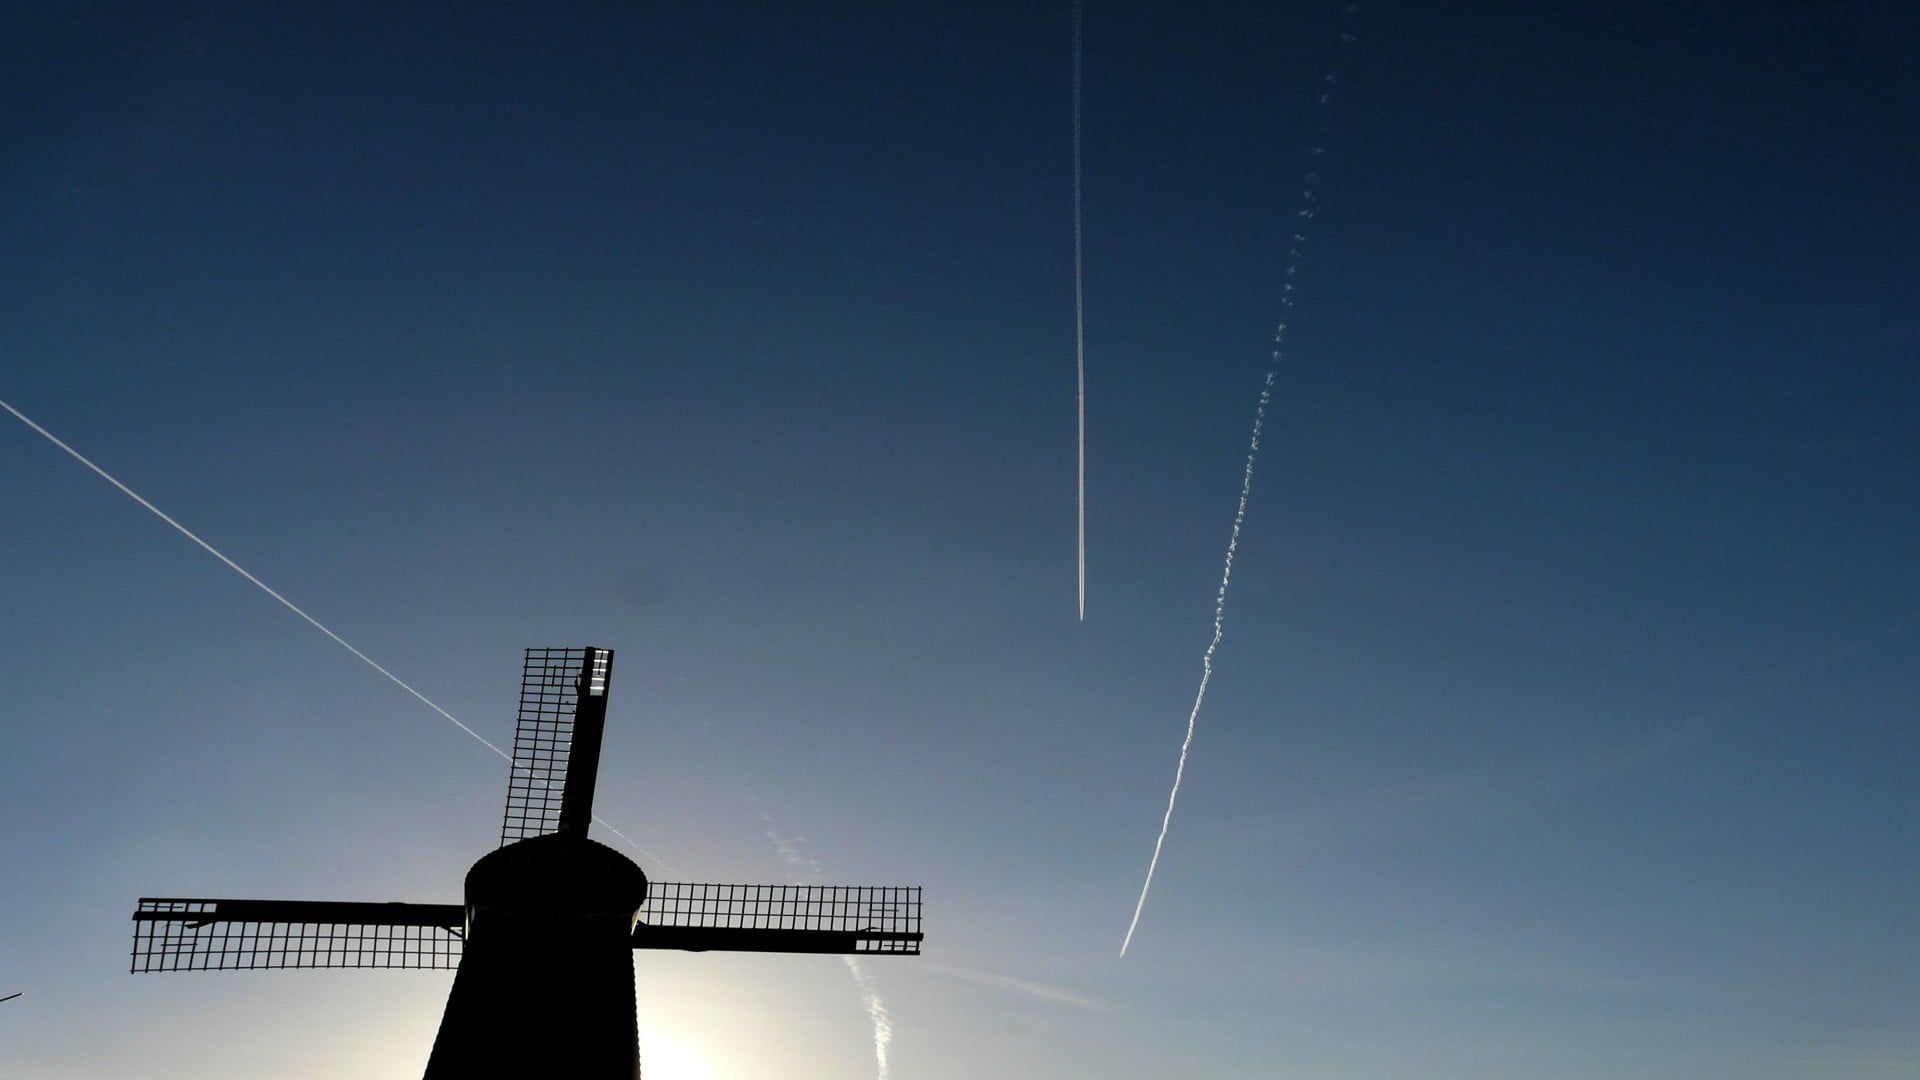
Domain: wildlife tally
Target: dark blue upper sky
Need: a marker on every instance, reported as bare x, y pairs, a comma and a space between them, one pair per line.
1563, 724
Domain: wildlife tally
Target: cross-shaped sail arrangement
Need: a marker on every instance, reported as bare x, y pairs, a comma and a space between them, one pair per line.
545, 940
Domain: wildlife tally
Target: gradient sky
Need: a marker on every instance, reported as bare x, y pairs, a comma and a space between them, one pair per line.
1564, 723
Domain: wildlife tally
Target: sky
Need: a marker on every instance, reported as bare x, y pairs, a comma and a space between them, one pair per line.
1563, 723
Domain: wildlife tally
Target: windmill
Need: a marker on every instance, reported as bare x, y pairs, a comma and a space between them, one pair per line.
542, 949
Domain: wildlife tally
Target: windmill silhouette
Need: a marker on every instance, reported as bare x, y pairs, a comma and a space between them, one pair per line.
543, 946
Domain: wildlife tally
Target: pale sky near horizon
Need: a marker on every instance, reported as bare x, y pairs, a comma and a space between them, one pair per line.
1563, 726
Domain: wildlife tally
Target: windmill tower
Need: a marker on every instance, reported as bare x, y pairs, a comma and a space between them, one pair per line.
544, 943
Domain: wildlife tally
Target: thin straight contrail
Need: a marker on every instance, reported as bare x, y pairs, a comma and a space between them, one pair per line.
288, 604
242, 571
1079, 319
1246, 490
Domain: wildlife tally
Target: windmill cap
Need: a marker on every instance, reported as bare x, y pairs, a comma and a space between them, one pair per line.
558, 874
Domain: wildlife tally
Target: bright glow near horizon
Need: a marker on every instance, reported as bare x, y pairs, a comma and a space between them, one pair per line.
662, 1057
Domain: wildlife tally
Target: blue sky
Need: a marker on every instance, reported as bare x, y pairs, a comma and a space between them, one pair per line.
1563, 726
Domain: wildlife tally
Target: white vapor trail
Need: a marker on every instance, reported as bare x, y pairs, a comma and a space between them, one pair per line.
1052, 995
1219, 629
1079, 319
288, 604
1331, 78
789, 849
876, 1011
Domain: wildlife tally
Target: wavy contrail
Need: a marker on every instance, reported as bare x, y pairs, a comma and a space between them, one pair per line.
1219, 630
1312, 180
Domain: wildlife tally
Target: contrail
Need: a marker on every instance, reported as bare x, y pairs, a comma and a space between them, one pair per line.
1053, 995
288, 604
242, 571
1079, 317
1246, 490
1219, 629
876, 1011
789, 849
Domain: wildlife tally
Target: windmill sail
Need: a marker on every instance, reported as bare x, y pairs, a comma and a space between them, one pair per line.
171, 934
780, 918
556, 742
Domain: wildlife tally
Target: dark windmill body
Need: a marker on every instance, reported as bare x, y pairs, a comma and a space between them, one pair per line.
545, 940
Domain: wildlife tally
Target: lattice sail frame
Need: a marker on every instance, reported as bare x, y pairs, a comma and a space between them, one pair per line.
173, 934
801, 918
543, 737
